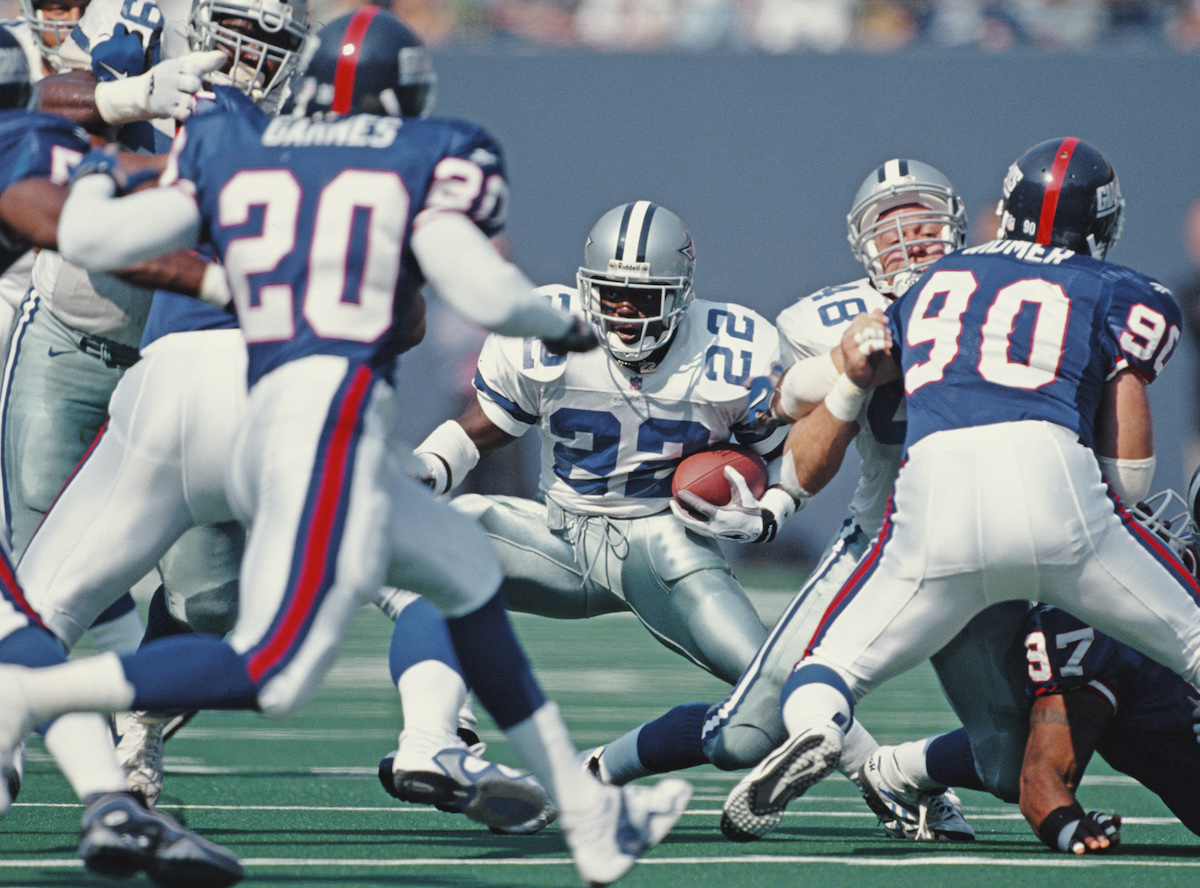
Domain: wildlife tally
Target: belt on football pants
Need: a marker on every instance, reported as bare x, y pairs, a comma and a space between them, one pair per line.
113, 354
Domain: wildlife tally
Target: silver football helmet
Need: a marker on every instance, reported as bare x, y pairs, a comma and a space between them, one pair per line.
896, 183
263, 37
1167, 516
636, 279
48, 33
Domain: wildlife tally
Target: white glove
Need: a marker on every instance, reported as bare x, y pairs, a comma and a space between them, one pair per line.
745, 519
166, 90
431, 470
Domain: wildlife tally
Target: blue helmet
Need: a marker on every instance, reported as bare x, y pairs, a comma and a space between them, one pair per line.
16, 89
1062, 193
365, 62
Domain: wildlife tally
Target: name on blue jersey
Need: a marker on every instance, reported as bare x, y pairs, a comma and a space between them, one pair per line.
1026, 250
359, 131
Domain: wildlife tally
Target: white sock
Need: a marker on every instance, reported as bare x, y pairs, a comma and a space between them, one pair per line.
89, 684
545, 747
857, 746
81, 744
466, 713
903, 769
620, 764
813, 705
120, 636
431, 695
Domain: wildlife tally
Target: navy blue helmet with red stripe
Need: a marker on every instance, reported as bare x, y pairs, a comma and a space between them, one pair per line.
1063, 193
365, 62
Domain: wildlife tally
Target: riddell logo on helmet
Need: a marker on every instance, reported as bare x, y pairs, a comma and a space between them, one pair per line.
616, 266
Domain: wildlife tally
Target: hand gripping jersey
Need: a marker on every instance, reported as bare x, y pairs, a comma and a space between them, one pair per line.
990, 335
611, 437
280, 191
814, 326
35, 146
1150, 734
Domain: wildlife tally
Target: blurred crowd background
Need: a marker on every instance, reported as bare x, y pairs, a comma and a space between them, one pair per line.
796, 26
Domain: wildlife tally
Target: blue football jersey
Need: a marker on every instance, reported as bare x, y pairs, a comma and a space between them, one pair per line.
1013, 330
35, 146
311, 220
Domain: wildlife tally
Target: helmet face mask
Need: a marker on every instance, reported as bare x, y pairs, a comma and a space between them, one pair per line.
1063, 193
262, 38
636, 280
51, 24
1166, 515
906, 215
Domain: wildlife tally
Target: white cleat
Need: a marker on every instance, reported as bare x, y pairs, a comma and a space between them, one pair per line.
607, 842
441, 771
920, 816
756, 804
140, 754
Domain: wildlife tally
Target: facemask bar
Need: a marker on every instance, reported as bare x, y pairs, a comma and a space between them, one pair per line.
672, 295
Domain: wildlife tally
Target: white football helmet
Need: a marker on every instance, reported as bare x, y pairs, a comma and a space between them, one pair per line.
264, 61
896, 183
636, 280
1166, 514
48, 34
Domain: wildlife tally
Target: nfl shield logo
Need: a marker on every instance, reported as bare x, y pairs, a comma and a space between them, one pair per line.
635, 383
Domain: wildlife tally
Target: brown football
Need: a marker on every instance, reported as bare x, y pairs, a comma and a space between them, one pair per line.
703, 473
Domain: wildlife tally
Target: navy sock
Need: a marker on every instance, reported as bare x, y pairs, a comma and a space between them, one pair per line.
186, 672
159, 622
494, 665
31, 646
118, 608
673, 741
950, 762
420, 634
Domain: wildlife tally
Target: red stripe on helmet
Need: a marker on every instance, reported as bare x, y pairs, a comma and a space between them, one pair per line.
1058, 172
347, 61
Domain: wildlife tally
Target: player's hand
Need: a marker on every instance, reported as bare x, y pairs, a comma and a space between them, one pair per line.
431, 470
763, 403
864, 342
580, 337
743, 520
121, 55
1095, 832
173, 84
101, 161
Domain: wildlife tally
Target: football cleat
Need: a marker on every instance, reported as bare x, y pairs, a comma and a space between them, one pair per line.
140, 754
606, 842
756, 804
920, 816
441, 771
120, 836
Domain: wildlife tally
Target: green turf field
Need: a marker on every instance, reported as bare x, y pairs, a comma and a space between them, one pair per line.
299, 802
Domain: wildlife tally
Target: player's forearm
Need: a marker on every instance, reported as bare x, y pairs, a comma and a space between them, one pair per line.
72, 94
816, 445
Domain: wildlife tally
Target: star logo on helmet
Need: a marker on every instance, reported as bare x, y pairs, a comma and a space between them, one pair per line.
689, 249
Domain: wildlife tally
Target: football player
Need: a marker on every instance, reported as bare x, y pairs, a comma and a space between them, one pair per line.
905, 215
312, 468
671, 378
120, 836
1025, 362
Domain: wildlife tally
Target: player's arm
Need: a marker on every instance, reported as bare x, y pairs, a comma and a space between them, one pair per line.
29, 210
817, 443
1063, 731
1125, 436
456, 446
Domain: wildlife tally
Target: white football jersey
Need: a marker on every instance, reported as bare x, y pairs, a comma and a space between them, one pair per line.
611, 437
813, 326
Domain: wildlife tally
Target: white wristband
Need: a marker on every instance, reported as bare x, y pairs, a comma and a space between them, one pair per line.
214, 286
1130, 478
779, 503
845, 399
450, 443
806, 382
124, 100
791, 485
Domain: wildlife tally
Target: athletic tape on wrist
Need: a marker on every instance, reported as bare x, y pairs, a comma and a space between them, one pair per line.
124, 100
1059, 826
845, 399
451, 444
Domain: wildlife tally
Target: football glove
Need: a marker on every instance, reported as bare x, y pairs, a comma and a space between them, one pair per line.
101, 161
763, 407
580, 337
431, 470
745, 519
1067, 828
166, 90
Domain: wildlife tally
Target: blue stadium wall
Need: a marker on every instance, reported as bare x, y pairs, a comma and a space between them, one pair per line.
761, 155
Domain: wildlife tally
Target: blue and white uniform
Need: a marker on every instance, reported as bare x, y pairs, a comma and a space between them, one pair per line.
1006, 349
1150, 734
600, 537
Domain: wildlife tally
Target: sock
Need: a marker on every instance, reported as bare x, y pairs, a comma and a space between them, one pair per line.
31, 646
187, 672
902, 770
91, 684
494, 664
431, 694
420, 634
159, 622
119, 628
813, 695
857, 746
545, 747
669, 743
81, 744
950, 762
